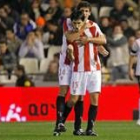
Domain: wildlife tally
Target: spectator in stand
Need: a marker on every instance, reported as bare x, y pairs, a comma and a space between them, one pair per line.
52, 72
134, 21
24, 26
54, 12
132, 3
13, 42
23, 80
5, 21
66, 14
127, 30
55, 33
101, 3
119, 54
11, 12
105, 26
36, 10
109, 3
42, 36
107, 30
39, 34
75, 3
21, 5
120, 9
32, 47
7, 59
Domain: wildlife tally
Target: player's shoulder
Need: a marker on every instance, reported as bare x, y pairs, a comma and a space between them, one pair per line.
91, 24
67, 24
67, 21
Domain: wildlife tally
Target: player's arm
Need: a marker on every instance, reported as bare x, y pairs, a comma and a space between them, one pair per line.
131, 63
101, 40
103, 51
132, 59
98, 37
72, 36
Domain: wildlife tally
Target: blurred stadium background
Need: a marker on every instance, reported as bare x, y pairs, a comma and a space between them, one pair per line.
119, 98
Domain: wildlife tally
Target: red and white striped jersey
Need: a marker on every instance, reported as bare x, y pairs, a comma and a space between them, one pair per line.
86, 56
67, 26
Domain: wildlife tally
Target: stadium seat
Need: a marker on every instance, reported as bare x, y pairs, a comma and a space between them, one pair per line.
105, 11
53, 50
30, 64
44, 63
5, 80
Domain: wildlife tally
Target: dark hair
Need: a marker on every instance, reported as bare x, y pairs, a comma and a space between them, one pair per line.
84, 4
7, 4
21, 68
57, 55
117, 25
77, 15
10, 29
3, 41
24, 13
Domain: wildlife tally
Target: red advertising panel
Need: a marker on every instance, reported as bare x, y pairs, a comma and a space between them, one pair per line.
38, 104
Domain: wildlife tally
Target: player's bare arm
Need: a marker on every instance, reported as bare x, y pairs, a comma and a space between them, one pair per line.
101, 40
131, 62
103, 51
74, 35
83, 40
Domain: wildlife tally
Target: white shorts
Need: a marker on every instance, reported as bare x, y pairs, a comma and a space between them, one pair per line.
65, 72
82, 81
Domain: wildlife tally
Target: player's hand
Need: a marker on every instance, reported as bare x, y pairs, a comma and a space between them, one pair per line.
72, 36
83, 40
70, 52
131, 74
103, 51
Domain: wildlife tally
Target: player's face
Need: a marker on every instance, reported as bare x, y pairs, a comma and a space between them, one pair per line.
77, 24
86, 12
9, 34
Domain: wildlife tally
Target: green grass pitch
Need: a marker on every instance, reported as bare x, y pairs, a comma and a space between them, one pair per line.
43, 131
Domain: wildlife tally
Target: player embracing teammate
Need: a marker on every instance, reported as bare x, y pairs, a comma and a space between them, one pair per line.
83, 73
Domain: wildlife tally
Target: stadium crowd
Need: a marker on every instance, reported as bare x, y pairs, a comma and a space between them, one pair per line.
31, 34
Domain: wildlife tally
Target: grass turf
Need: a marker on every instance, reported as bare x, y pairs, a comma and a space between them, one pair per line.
43, 131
